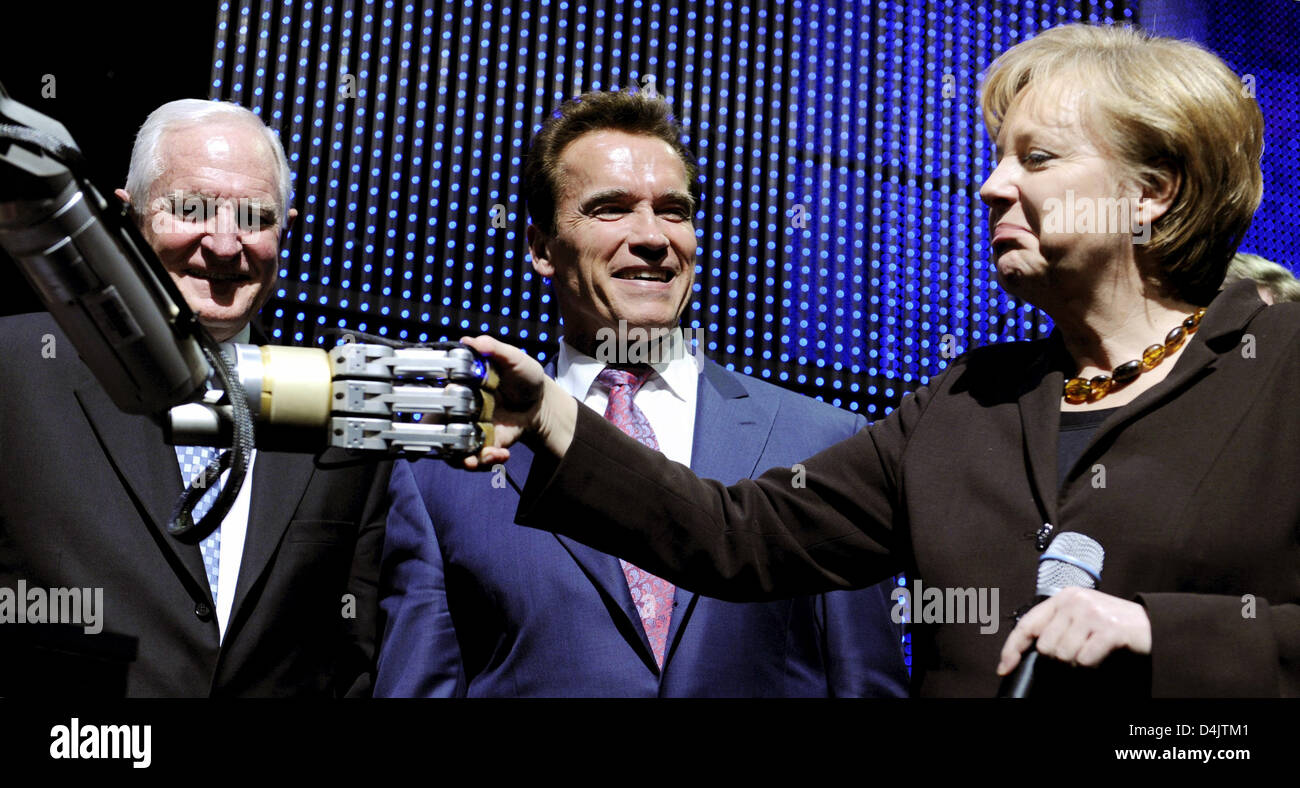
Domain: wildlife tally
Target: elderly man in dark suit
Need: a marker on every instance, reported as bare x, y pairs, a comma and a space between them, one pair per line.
477, 606
280, 599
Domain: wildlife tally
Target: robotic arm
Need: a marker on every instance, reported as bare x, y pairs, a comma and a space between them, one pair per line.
107, 290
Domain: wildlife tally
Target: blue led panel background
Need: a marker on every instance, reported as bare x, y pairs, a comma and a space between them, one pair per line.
1258, 40
841, 235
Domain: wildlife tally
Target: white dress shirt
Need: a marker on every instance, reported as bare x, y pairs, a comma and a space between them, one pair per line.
234, 529
667, 399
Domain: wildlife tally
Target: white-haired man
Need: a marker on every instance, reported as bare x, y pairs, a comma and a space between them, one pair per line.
209, 185
280, 599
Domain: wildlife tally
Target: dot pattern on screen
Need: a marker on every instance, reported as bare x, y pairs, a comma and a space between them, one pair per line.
843, 247
1261, 46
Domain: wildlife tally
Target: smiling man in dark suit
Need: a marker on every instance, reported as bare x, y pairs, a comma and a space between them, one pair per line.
478, 606
280, 599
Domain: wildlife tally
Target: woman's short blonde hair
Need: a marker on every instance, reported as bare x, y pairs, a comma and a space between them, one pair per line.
1155, 105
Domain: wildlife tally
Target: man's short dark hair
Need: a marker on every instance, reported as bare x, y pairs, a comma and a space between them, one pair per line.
632, 112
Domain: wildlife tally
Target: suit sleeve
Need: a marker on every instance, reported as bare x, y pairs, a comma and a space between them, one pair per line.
864, 646
1207, 645
357, 663
828, 524
419, 656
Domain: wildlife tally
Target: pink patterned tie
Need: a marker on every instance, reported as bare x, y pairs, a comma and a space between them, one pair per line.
653, 596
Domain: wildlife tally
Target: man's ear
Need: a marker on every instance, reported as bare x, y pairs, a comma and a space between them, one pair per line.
538, 249
288, 222
132, 210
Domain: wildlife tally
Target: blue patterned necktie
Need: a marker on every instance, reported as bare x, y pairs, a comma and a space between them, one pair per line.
193, 459
652, 595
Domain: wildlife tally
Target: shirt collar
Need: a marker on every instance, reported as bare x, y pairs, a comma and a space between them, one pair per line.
678, 368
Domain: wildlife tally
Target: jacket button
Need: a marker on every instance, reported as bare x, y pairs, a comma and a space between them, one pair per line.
203, 610
1041, 538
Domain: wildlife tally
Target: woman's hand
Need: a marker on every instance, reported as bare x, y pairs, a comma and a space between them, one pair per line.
529, 405
1079, 626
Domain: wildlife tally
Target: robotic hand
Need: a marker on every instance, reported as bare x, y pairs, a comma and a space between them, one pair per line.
107, 290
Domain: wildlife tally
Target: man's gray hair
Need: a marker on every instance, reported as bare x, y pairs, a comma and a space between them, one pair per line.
1276, 278
146, 155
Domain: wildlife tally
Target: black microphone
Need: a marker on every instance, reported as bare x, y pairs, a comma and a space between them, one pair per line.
1072, 559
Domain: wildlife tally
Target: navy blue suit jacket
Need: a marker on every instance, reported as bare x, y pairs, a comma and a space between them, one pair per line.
478, 606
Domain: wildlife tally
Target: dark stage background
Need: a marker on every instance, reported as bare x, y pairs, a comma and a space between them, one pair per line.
100, 69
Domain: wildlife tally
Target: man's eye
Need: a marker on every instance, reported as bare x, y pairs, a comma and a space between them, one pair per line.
1036, 158
677, 214
254, 219
611, 211
189, 209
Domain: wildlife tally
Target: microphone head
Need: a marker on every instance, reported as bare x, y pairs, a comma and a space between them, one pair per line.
1072, 559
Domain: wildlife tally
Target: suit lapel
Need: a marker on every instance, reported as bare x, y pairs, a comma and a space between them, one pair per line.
279, 481
1219, 329
602, 569
1040, 414
731, 430
1040, 423
606, 573
1040, 398
731, 427
147, 467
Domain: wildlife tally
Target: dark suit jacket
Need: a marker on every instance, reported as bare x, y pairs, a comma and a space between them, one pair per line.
84, 499
1191, 489
477, 606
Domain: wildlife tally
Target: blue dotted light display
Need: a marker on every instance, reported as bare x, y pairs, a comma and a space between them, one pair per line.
1261, 47
843, 246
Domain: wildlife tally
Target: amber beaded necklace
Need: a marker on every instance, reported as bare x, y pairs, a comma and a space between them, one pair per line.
1081, 390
